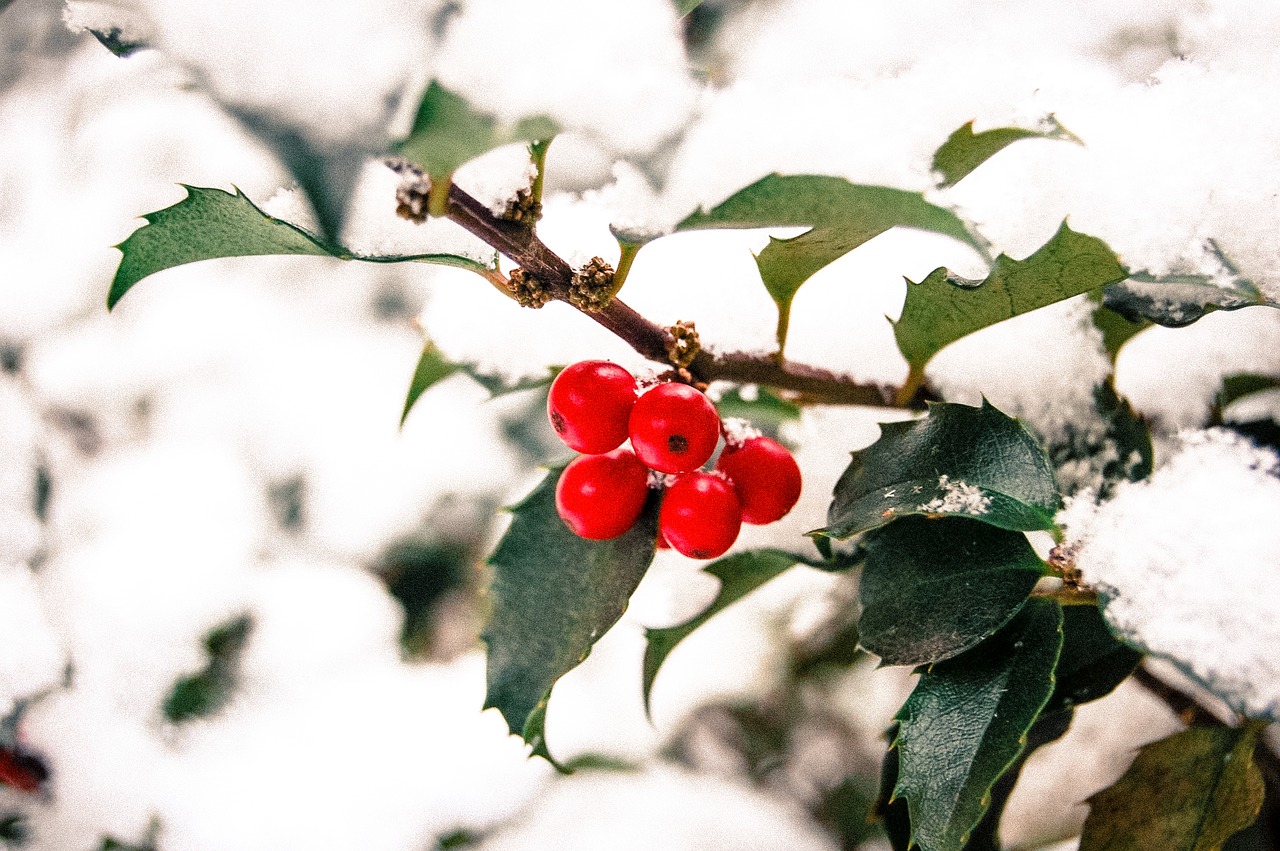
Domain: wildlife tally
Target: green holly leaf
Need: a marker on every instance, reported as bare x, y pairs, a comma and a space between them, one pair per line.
206, 692
932, 589
1242, 384
1189, 792
212, 223
448, 132
966, 723
959, 460
1093, 662
1116, 330
965, 150
944, 307
684, 7
433, 367
1101, 453
840, 216
553, 596
739, 575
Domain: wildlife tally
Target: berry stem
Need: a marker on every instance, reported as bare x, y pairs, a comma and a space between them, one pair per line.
519, 242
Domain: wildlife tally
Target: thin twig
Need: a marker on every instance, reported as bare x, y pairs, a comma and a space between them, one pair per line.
519, 242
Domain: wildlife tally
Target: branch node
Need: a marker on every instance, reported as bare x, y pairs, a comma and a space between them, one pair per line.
591, 289
527, 290
683, 346
523, 209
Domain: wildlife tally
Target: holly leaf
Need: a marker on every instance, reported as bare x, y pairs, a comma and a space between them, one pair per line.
1092, 663
1179, 299
1116, 330
965, 724
1101, 453
840, 216
739, 575
959, 460
1188, 792
1241, 384
433, 367
965, 150
207, 691
213, 223
447, 132
932, 589
553, 596
944, 307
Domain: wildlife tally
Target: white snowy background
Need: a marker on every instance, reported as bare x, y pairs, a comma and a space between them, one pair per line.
168, 430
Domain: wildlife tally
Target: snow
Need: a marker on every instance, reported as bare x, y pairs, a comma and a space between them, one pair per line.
165, 426
1185, 563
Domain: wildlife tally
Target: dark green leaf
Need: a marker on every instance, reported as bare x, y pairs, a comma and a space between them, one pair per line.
891, 811
1189, 792
432, 367
1237, 386
1093, 662
965, 150
841, 216
553, 596
1048, 728
959, 460
448, 132
115, 40
206, 692
944, 307
1116, 330
739, 575
932, 589
498, 385
212, 223
1179, 299
966, 722
1099, 458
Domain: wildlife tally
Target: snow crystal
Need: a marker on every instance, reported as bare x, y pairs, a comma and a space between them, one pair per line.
958, 497
1186, 564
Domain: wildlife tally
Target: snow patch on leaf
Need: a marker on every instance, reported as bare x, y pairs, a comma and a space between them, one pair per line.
956, 497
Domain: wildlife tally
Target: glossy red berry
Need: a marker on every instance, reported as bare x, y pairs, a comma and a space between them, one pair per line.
700, 515
590, 405
601, 496
765, 476
674, 428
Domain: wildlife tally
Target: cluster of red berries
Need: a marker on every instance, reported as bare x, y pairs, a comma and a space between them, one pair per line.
595, 406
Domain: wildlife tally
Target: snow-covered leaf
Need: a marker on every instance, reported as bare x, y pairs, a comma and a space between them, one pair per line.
966, 722
944, 307
1179, 299
965, 150
932, 589
1239, 385
553, 596
1092, 663
959, 460
1100, 453
213, 223
434, 367
841, 216
448, 132
763, 409
1189, 792
739, 575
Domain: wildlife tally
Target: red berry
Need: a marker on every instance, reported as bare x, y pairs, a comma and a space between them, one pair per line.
601, 496
765, 476
700, 515
674, 428
590, 404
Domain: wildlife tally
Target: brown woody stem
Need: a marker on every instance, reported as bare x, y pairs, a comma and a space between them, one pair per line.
519, 242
